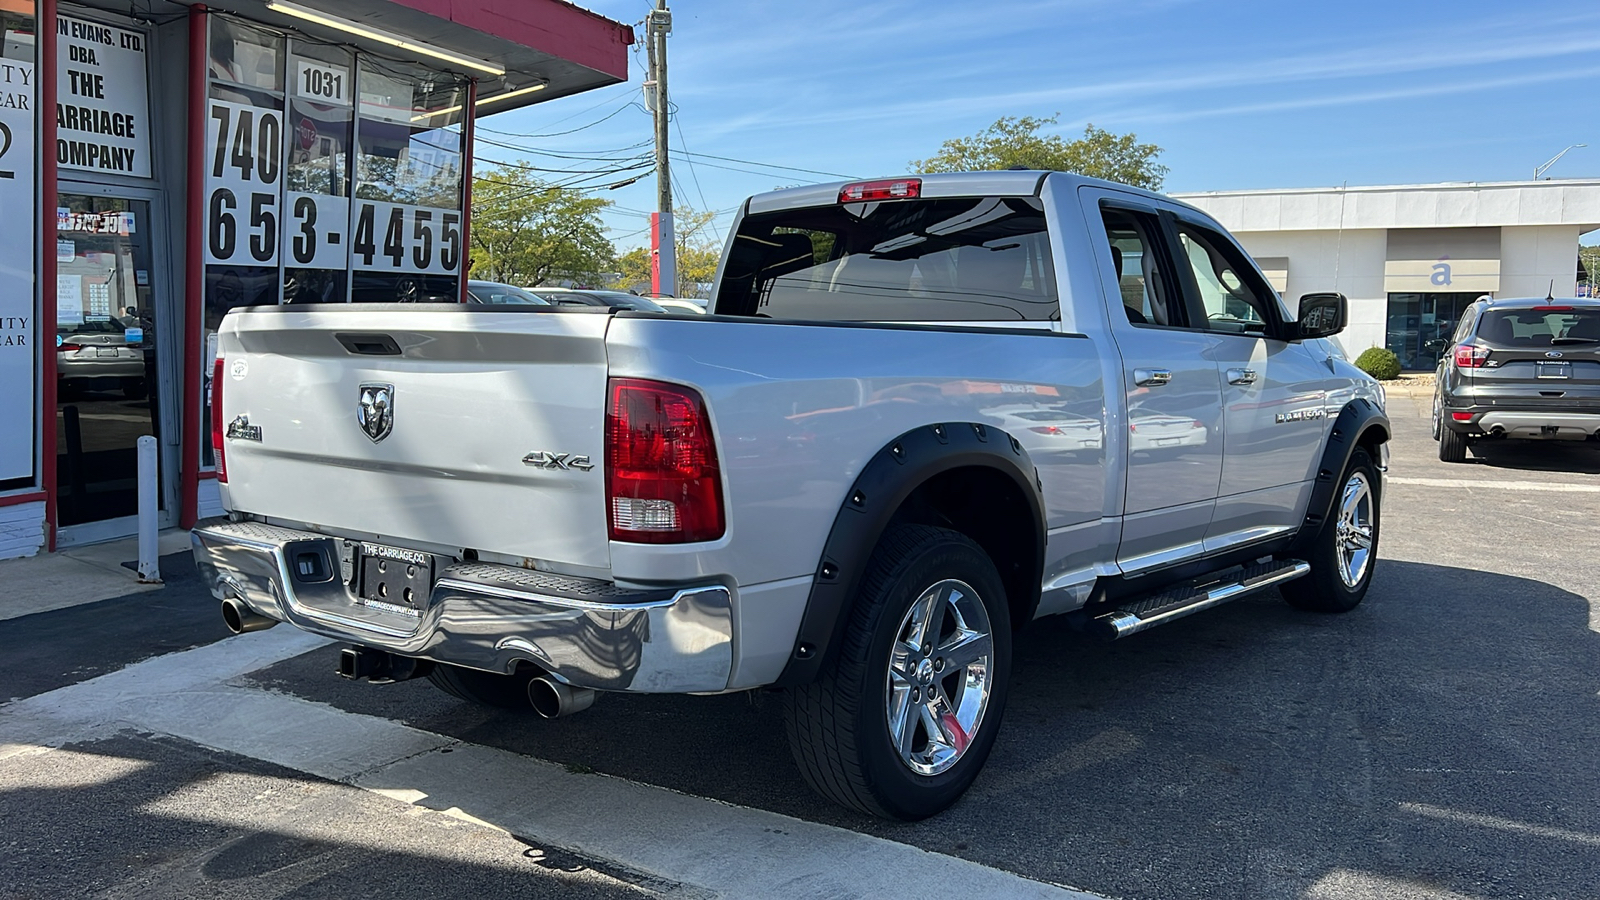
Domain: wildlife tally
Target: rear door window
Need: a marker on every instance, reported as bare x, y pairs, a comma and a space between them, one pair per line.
938, 260
1149, 294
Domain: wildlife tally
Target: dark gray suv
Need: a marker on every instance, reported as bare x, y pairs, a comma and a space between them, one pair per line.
1519, 369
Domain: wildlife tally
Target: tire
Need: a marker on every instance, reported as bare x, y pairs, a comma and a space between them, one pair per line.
1339, 578
484, 688
1452, 445
840, 726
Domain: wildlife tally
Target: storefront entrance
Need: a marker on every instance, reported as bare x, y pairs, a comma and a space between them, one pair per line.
1420, 326
111, 386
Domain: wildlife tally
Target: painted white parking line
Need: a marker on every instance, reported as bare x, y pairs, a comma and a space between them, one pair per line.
728, 850
1503, 485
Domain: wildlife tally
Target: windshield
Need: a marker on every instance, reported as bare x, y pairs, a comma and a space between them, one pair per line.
502, 294
970, 259
1541, 326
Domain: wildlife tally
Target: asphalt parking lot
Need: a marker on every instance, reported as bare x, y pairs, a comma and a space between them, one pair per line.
1439, 742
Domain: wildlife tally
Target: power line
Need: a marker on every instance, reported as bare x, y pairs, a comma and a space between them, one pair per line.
751, 162
696, 176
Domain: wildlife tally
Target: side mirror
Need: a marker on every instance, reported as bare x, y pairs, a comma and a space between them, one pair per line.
1322, 314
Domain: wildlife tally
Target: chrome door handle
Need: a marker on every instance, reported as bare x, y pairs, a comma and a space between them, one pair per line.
1151, 377
1241, 376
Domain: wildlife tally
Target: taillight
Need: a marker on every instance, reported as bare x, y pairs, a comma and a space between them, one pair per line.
1470, 357
217, 431
886, 189
663, 484
68, 347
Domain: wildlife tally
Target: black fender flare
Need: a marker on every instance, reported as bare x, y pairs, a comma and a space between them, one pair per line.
885, 482
1353, 427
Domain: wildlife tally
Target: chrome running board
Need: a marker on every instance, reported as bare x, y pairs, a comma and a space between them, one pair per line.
1138, 614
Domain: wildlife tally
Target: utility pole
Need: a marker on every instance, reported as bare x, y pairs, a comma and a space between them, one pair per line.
658, 26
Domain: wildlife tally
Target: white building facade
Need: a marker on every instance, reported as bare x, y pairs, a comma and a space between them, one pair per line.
1411, 257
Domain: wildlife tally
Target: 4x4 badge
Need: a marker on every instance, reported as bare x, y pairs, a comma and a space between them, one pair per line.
543, 459
375, 410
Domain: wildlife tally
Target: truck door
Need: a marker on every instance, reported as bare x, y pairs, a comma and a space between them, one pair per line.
1171, 417
1275, 393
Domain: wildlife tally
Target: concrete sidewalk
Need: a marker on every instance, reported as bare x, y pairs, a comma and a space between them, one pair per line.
79, 575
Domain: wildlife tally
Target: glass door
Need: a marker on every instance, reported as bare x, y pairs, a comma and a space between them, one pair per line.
107, 387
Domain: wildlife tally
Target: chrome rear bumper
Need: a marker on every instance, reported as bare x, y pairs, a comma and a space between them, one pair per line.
584, 632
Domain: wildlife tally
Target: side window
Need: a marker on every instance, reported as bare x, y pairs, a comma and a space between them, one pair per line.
1231, 299
1464, 328
1148, 293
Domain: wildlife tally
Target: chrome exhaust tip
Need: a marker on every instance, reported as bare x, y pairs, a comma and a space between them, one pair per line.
240, 619
552, 699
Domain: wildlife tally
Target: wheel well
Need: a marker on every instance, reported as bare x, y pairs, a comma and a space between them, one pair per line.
987, 505
1371, 439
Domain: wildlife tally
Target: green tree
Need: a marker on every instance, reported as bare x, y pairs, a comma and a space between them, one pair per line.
698, 254
525, 232
1590, 257
1014, 141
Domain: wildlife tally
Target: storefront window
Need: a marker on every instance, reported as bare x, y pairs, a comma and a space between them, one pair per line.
244, 181
317, 194
1420, 325
406, 225
329, 177
18, 225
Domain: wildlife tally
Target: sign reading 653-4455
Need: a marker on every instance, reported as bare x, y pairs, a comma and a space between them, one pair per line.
244, 175
397, 237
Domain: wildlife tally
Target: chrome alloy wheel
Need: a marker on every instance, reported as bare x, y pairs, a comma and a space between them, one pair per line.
1354, 530
939, 677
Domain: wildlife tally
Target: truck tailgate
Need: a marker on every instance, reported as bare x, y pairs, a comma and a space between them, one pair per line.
491, 416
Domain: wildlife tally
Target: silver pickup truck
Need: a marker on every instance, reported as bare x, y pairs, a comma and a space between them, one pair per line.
924, 412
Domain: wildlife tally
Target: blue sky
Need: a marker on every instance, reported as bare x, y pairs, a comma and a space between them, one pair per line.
1239, 95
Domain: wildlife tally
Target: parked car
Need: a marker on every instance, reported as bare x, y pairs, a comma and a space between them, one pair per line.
835, 486
95, 355
611, 299
1523, 369
673, 305
493, 293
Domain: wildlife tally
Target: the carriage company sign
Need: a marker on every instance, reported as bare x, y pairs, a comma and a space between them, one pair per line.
103, 103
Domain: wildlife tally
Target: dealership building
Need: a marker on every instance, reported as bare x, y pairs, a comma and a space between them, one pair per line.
164, 162
1411, 257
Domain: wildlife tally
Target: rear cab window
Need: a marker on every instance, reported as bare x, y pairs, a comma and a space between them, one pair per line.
1540, 326
966, 259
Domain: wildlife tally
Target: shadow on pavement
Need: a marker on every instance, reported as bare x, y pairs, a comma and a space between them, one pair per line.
1443, 736
136, 816
53, 649
1582, 457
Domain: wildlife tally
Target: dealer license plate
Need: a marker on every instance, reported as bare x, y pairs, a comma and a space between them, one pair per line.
1553, 369
394, 578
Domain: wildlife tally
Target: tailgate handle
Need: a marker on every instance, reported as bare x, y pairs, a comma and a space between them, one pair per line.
369, 344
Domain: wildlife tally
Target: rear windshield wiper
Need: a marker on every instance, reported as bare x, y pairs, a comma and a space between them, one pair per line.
1573, 340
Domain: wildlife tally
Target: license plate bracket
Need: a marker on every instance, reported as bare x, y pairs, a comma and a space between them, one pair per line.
393, 577
1553, 369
